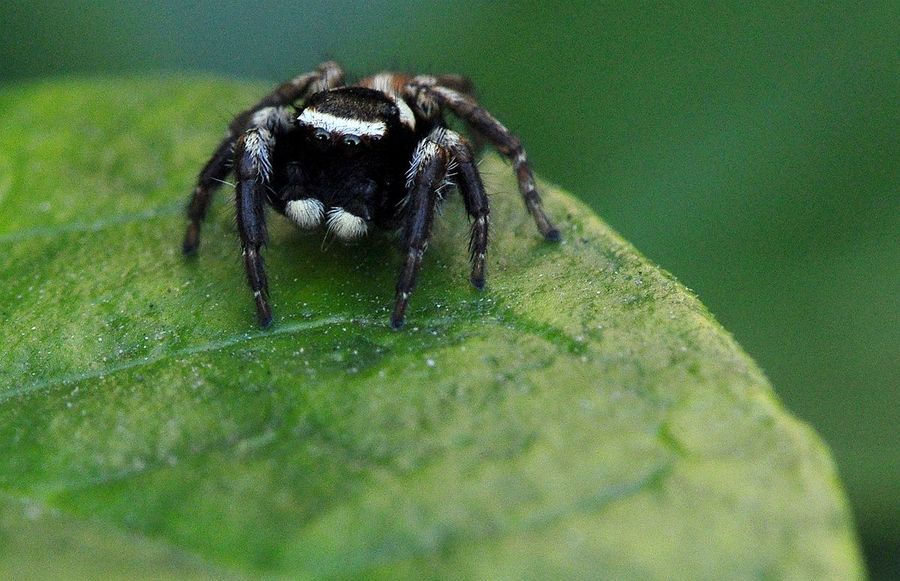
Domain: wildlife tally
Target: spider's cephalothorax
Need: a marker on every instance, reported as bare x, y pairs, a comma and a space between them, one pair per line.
350, 158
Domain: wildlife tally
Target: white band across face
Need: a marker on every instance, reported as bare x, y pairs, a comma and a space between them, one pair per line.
341, 125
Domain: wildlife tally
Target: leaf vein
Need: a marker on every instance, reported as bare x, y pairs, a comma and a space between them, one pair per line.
537, 522
208, 347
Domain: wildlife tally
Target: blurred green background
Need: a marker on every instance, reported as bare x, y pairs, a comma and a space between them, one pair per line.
749, 148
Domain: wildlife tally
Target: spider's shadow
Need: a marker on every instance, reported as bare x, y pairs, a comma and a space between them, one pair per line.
311, 256
367, 267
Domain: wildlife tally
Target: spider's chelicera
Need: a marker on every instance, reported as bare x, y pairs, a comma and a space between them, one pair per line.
353, 157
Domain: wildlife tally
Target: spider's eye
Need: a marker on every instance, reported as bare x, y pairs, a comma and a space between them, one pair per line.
320, 136
350, 141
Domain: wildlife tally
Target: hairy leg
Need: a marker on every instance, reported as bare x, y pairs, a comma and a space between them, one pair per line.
426, 177
326, 76
253, 167
430, 94
468, 180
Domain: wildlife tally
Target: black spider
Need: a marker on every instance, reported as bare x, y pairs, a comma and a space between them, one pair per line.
375, 153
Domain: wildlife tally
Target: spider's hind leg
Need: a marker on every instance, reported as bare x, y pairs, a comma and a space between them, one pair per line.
477, 117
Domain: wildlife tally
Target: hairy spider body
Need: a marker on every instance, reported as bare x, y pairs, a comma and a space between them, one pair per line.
349, 158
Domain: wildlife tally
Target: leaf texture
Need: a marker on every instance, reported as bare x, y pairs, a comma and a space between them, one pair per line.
582, 416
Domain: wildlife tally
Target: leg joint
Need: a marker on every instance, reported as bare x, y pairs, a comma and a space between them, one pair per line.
253, 155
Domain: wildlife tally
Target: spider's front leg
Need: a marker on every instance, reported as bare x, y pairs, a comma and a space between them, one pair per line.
253, 169
426, 176
326, 76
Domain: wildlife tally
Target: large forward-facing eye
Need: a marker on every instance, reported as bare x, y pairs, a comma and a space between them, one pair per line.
320, 137
351, 145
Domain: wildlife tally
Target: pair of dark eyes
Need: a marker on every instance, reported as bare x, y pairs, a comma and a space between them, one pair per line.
323, 138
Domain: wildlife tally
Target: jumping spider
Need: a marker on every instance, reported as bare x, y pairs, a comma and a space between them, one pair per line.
377, 153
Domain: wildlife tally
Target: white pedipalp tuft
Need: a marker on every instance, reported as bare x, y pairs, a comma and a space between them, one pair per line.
345, 225
306, 213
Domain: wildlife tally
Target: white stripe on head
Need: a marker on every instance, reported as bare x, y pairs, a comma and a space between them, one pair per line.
341, 125
345, 225
306, 213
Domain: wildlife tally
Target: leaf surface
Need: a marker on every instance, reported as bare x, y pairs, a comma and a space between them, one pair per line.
583, 415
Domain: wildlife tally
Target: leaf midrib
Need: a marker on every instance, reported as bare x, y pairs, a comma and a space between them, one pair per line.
207, 347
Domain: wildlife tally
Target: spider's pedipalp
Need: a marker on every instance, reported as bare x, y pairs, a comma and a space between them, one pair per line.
345, 225
306, 213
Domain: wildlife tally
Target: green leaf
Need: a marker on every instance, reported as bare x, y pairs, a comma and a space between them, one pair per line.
39, 543
584, 415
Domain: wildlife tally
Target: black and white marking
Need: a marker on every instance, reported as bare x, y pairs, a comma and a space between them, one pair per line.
345, 225
341, 125
307, 213
347, 159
